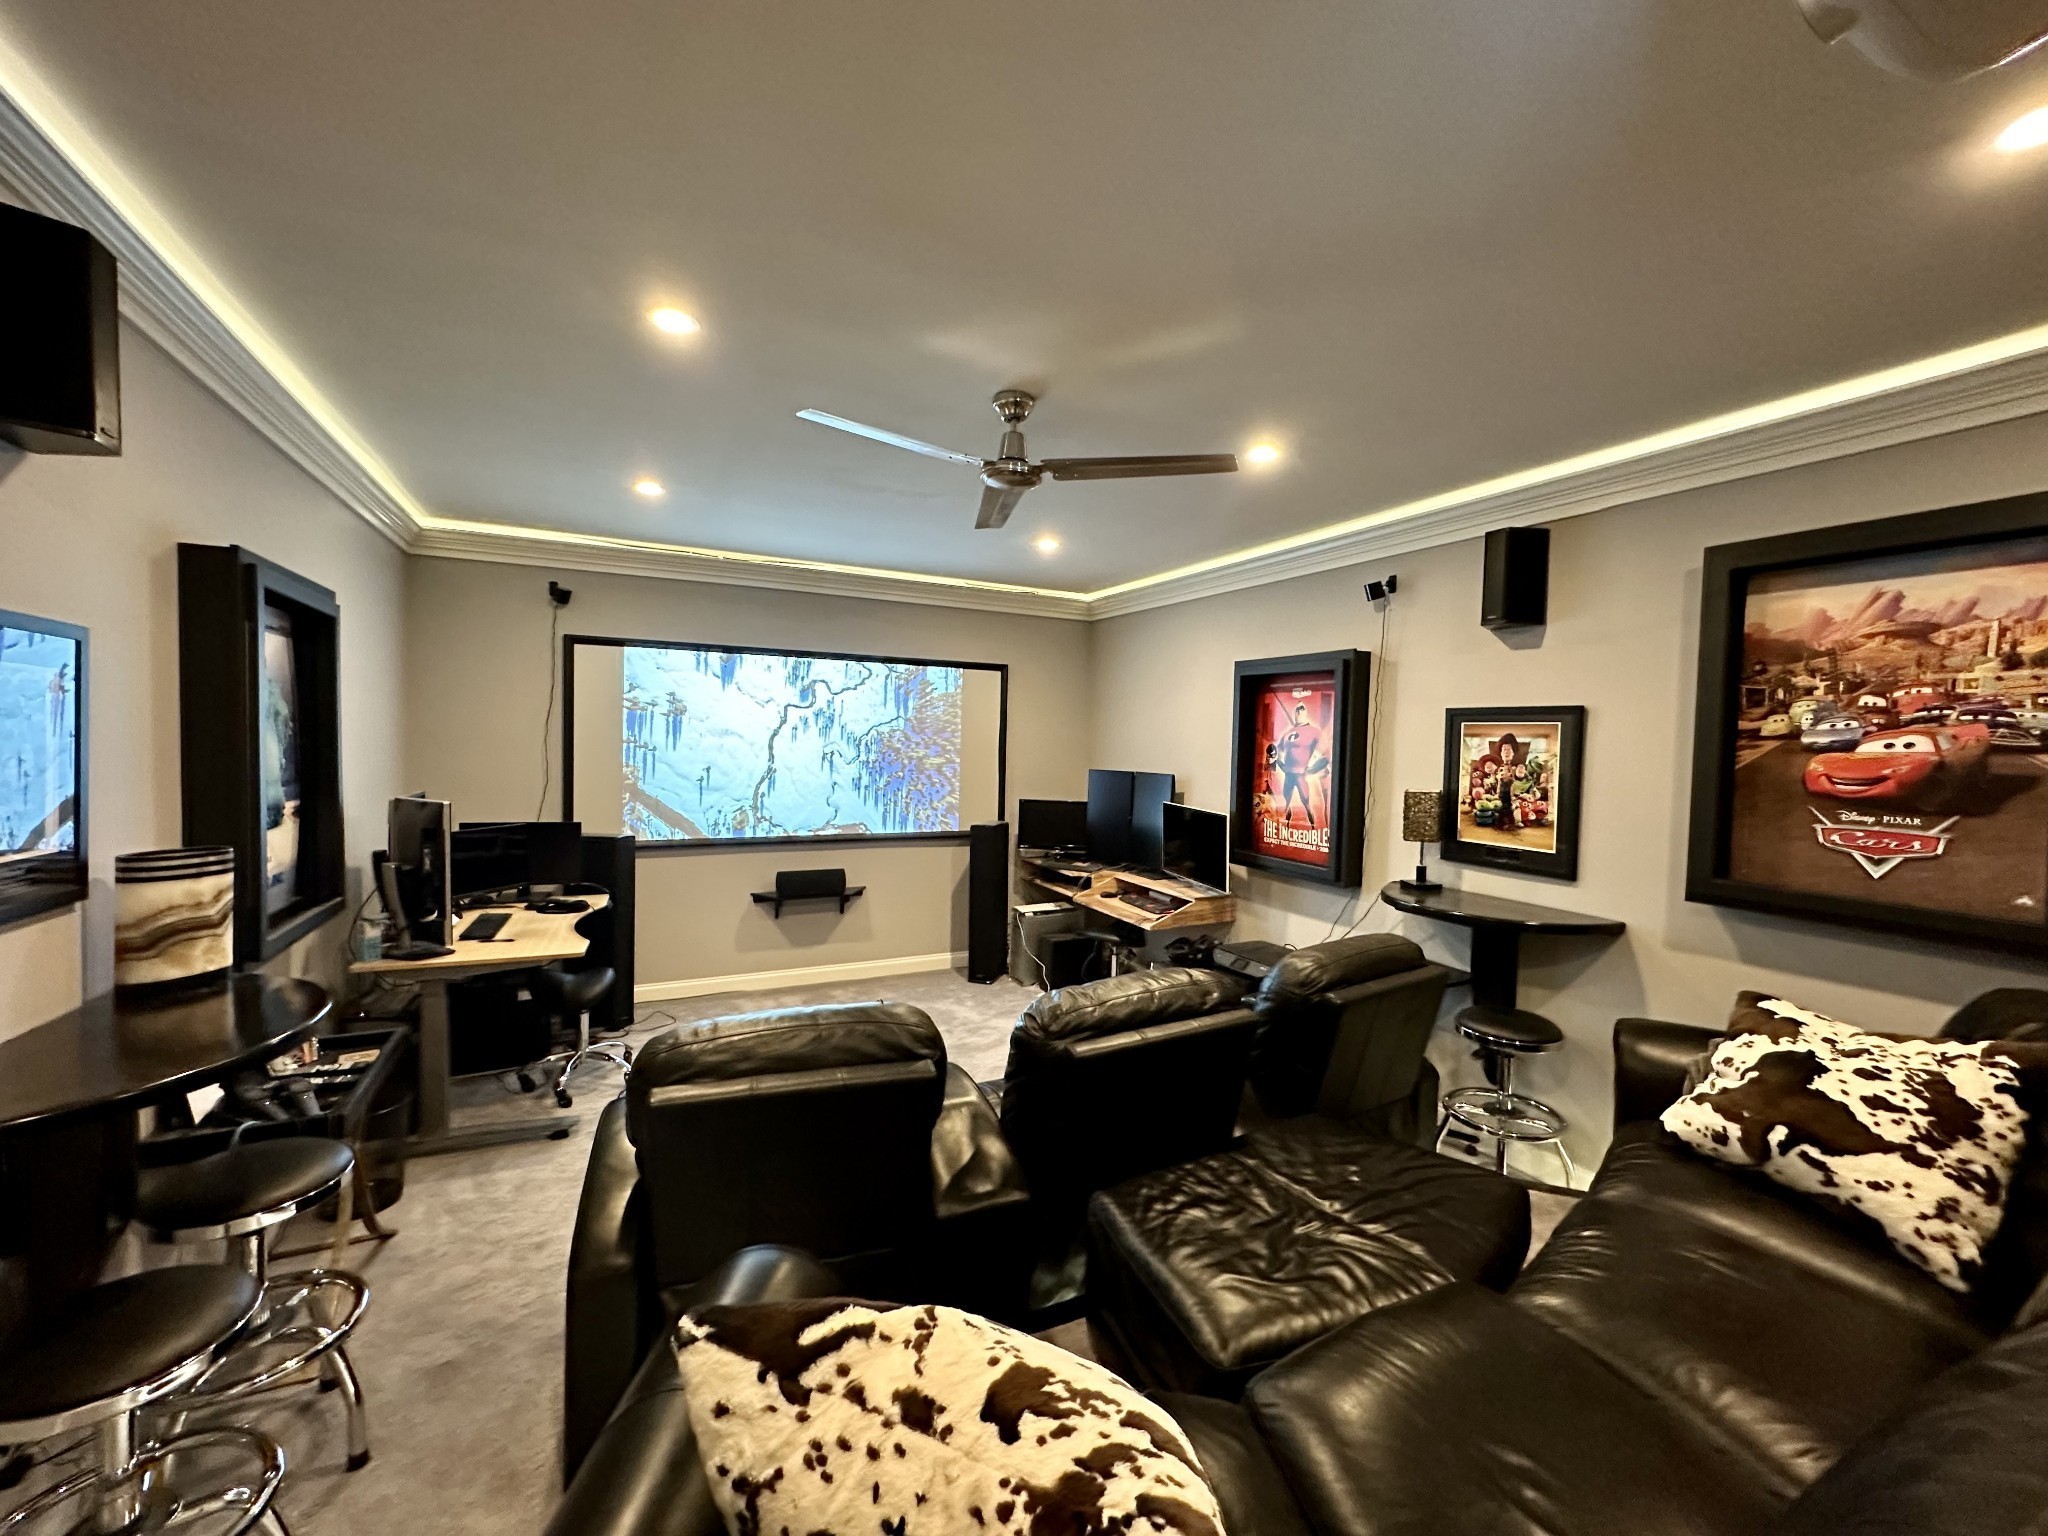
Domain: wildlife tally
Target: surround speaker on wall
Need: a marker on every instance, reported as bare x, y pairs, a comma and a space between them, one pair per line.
988, 901
60, 361
1516, 589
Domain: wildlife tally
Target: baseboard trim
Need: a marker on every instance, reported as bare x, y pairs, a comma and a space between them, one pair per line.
795, 976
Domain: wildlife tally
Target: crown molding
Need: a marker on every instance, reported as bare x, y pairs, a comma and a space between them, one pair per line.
452, 540
1999, 381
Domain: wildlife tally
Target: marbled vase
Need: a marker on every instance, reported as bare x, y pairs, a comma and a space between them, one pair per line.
174, 916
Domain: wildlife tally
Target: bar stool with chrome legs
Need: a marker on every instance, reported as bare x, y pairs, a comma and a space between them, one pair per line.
578, 992
303, 1318
1496, 1110
111, 1353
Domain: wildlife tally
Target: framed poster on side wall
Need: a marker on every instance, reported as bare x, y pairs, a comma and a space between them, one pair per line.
1298, 766
1872, 739
1511, 788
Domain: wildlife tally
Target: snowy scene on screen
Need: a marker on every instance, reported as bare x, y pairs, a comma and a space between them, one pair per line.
38, 743
724, 744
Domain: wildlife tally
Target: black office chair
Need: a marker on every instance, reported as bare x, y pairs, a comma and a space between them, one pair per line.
562, 992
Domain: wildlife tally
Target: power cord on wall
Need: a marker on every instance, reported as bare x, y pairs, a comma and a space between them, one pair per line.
558, 599
1381, 596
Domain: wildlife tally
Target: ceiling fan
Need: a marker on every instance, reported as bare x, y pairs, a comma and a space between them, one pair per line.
1008, 475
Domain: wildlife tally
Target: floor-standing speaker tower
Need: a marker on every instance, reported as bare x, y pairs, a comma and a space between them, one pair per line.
988, 901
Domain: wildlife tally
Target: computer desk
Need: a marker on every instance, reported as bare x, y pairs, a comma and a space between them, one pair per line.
528, 941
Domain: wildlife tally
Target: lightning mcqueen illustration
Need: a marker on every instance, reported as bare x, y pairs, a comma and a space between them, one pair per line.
1932, 768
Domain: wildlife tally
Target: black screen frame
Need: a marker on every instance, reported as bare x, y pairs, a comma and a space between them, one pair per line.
698, 845
44, 882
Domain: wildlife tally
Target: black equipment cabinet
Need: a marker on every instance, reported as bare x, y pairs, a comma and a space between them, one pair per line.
255, 639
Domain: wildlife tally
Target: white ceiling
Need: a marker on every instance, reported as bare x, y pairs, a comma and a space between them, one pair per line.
1424, 242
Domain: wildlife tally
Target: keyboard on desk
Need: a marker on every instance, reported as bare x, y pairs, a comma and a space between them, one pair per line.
486, 926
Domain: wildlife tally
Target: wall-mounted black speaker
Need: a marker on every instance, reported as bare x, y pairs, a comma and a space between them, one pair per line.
988, 901
60, 342
1516, 590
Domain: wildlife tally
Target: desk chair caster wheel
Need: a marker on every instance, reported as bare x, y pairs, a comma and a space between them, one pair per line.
526, 1083
562, 1098
561, 1135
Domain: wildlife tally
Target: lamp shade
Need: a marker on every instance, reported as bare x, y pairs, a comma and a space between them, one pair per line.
1422, 816
174, 916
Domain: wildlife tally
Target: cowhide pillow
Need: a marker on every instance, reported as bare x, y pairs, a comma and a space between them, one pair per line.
836, 1416
1920, 1136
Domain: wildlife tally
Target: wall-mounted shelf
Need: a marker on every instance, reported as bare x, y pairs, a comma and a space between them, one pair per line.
777, 900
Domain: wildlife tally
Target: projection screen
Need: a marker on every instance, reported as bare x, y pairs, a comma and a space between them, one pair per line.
699, 745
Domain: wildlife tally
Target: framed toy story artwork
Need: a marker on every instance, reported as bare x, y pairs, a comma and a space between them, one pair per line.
1298, 766
1511, 788
1872, 739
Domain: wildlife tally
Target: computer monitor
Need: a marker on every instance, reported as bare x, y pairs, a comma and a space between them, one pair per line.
515, 855
1109, 814
1151, 793
1052, 823
1197, 845
417, 875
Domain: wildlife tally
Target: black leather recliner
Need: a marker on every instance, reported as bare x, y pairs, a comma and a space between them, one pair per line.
839, 1130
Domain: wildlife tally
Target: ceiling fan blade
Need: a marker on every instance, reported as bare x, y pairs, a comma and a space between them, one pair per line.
893, 439
997, 504
1130, 468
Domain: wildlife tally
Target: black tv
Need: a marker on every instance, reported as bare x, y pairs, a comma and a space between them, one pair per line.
1052, 823
1197, 845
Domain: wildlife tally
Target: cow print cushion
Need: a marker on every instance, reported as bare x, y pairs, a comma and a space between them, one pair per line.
838, 1416
1920, 1136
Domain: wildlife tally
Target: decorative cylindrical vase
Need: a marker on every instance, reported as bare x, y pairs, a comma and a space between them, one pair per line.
174, 917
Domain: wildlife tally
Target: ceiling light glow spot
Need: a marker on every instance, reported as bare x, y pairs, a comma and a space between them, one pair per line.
2024, 133
1046, 544
649, 487
1262, 454
672, 321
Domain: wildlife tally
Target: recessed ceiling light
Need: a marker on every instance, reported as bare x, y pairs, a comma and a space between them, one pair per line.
1046, 544
2023, 133
673, 321
1262, 454
649, 487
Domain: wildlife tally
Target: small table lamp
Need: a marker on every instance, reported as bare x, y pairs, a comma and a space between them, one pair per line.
1422, 821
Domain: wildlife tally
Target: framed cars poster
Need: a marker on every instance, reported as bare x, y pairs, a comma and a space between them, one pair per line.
1511, 788
1872, 740
1298, 766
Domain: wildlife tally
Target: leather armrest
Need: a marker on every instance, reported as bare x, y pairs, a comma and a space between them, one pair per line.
980, 1257
972, 1165
608, 1317
643, 1476
1651, 1062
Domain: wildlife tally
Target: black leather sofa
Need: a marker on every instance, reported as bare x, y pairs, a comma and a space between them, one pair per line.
1694, 1351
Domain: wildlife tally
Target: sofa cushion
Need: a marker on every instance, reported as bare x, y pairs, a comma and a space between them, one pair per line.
1460, 1414
1749, 1344
924, 1421
1254, 1497
1214, 1269
1117, 1003
1314, 970
1966, 1458
788, 1040
1921, 1136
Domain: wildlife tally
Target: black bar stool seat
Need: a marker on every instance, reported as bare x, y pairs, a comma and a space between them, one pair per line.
107, 1355
115, 1340
216, 1196
1508, 1029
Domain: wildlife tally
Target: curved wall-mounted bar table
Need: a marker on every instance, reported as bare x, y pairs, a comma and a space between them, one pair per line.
69, 1093
1498, 926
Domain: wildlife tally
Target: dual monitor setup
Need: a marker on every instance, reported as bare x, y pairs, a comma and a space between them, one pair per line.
429, 870
1131, 820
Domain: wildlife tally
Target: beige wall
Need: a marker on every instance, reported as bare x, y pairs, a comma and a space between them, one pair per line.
478, 665
1624, 605
93, 541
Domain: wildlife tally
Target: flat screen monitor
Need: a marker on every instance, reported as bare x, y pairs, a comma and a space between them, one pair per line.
1151, 793
416, 842
1197, 845
689, 745
502, 855
1052, 823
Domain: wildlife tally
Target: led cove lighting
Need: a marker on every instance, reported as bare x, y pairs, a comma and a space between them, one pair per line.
1262, 454
649, 487
673, 321
2024, 133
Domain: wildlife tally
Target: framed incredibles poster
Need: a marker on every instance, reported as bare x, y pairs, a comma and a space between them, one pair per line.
1872, 741
1298, 766
1511, 788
